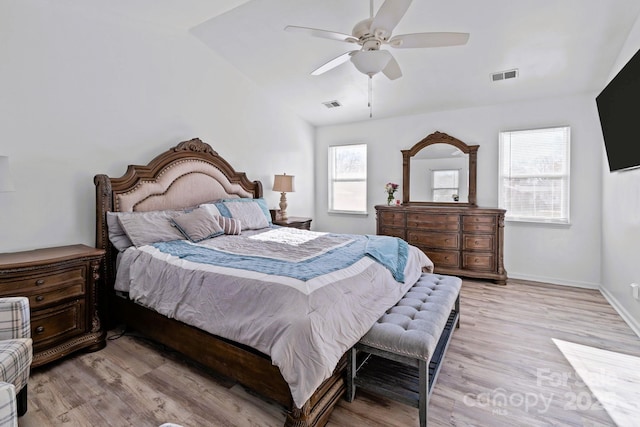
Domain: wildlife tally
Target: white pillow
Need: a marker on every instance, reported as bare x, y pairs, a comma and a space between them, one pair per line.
198, 225
145, 228
250, 214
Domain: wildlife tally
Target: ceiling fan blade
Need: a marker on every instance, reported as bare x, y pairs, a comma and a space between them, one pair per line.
404, 41
333, 63
392, 70
388, 16
331, 35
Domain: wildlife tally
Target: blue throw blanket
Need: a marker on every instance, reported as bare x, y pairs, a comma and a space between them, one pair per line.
391, 252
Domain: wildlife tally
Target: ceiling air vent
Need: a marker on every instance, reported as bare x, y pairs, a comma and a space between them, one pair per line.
504, 75
332, 104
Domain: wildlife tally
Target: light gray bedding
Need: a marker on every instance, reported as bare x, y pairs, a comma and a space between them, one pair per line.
305, 326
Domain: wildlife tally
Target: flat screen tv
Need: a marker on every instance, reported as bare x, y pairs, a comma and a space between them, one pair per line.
619, 110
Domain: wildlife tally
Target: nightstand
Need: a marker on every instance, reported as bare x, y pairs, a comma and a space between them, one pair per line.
295, 222
61, 284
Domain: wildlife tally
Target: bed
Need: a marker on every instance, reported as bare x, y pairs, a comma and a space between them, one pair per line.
273, 308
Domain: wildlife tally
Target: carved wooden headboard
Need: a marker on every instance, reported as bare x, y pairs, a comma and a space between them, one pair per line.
183, 176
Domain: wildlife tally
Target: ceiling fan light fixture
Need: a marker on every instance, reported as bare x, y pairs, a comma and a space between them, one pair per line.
371, 62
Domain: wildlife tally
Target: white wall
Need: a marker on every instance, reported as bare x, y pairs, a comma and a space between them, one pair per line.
83, 93
557, 254
621, 219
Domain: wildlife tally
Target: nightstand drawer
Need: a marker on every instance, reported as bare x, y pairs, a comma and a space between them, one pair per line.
57, 323
44, 280
301, 223
41, 299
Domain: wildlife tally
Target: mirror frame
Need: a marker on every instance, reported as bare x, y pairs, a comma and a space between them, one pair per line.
440, 138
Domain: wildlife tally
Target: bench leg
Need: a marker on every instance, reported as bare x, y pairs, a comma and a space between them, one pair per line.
424, 392
458, 310
351, 375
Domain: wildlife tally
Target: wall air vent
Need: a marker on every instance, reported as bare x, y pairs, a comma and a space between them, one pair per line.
504, 75
332, 104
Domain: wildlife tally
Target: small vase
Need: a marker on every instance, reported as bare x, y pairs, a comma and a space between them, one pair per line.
389, 199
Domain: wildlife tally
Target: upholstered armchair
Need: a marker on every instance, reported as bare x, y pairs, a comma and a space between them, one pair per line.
16, 353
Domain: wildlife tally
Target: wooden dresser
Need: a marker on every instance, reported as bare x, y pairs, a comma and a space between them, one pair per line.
460, 240
61, 284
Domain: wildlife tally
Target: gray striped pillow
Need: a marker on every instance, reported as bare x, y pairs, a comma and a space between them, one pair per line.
230, 225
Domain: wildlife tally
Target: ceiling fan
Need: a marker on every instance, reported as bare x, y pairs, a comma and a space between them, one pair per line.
372, 33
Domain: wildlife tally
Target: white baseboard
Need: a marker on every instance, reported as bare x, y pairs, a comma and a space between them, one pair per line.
554, 281
631, 321
619, 308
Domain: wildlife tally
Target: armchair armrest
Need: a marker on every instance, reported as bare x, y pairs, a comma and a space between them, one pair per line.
8, 405
15, 320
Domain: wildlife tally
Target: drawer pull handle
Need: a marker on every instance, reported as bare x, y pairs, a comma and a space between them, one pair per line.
39, 329
39, 298
39, 282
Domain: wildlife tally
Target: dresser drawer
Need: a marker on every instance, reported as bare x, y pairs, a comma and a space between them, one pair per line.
436, 222
478, 261
443, 258
393, 231
392, 218
477, 223
434, 240
57, 323
44, 280
478, 242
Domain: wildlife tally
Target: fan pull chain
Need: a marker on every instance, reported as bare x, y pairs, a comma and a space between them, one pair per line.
370, 105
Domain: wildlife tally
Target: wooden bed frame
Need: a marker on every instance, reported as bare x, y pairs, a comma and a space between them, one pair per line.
183, 176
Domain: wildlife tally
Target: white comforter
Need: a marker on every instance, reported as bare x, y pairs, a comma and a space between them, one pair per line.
304, 326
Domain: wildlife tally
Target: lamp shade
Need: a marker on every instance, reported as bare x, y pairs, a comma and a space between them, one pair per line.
283, 183
371, 62
6, 183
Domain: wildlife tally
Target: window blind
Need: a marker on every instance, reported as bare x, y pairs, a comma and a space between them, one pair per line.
534, 174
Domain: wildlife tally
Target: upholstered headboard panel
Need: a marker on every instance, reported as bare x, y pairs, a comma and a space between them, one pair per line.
183, 183
184, 176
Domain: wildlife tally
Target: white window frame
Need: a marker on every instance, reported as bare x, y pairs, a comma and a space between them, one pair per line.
434, 172
506, 173
332, 158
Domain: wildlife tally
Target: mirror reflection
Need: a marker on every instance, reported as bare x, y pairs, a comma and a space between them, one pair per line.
440, 173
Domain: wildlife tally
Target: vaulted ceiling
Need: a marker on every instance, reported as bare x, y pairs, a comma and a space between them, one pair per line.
559, 47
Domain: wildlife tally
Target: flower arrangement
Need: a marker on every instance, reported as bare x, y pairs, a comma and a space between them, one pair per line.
390, 188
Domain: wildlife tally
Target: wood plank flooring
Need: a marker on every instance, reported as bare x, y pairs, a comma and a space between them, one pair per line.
502, 369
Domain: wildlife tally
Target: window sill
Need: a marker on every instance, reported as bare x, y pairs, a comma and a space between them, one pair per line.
353, 213
539, 222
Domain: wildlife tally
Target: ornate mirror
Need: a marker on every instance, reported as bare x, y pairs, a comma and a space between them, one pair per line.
440, 170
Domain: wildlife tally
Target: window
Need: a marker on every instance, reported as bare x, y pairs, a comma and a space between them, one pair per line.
445, 186
348, 178
534, 175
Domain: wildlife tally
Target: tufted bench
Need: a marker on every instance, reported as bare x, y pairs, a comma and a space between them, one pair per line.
400, 355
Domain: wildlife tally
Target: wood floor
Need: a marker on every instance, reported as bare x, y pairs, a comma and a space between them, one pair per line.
502, 369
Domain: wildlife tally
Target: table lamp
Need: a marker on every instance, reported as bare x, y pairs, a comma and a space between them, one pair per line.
284, 184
